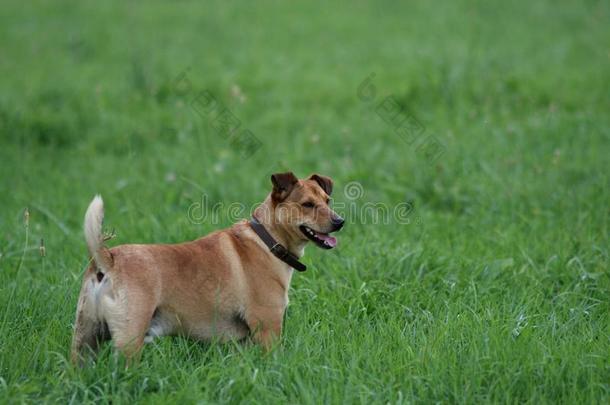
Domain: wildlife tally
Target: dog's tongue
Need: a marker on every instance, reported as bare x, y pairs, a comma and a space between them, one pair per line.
329, 240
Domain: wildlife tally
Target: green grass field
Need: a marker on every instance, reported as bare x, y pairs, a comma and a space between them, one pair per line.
497, 290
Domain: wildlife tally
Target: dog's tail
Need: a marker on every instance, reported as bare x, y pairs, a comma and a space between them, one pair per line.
94, 236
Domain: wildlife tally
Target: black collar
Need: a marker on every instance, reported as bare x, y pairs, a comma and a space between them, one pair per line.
276, 248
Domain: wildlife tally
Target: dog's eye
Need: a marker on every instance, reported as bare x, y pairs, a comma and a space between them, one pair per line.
328, 201
308, 204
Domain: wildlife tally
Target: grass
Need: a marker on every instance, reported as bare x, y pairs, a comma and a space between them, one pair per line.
496, 291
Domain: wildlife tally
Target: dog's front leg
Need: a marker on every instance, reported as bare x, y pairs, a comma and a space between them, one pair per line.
265, 323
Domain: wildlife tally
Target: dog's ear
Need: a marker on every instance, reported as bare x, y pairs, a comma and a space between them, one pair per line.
325, 182
283, 183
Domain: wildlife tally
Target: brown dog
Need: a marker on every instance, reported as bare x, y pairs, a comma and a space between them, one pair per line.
228, 285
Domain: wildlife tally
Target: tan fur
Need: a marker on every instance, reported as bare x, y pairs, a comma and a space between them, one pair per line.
226, 285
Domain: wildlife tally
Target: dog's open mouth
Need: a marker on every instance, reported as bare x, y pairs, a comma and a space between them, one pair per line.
323, 240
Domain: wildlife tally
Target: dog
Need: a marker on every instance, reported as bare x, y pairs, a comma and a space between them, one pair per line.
229, 285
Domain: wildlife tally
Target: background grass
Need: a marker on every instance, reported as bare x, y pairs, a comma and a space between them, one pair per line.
497, 291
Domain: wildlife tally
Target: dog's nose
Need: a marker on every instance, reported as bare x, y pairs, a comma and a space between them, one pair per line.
337, 222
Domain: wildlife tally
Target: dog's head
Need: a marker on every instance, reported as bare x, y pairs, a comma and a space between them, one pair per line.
302, 207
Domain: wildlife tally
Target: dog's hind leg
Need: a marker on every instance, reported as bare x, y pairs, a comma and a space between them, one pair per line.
89, 330
129, 324
129, 337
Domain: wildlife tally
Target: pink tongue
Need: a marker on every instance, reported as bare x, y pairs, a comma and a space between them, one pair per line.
330, 240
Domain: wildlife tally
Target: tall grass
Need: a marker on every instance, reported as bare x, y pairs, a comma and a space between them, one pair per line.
496, 291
